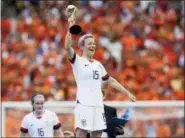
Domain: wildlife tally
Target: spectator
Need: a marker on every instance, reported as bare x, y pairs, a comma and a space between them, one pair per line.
147, 55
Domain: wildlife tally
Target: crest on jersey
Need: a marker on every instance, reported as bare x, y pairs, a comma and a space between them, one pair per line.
83, 121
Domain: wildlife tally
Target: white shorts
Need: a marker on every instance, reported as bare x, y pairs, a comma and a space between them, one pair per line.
90, 118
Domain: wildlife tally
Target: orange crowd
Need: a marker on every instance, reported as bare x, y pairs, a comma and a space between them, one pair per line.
142, 47
140, 43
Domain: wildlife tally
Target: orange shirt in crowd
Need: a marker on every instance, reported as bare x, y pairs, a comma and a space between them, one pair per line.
163, 130
12, 127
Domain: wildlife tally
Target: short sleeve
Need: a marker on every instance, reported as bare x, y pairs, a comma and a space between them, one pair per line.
75, 59
24, 126
76, 63
105, 75
57, 124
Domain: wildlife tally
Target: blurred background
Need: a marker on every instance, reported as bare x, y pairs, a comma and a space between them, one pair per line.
140, 43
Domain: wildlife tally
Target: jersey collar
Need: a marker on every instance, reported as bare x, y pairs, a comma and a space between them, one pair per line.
39, 117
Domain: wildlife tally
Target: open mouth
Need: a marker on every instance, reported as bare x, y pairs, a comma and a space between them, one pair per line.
92, 50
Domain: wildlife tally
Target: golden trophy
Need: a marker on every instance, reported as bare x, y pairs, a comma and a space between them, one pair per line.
71, 12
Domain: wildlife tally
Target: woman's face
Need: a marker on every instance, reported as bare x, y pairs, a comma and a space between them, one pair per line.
89, 46
38, 104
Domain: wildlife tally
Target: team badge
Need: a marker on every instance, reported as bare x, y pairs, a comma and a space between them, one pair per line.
83, 121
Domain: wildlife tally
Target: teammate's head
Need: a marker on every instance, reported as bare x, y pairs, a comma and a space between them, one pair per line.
87, 44
37, 101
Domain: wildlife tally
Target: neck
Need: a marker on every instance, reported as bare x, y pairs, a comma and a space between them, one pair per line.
38, 114
87, 57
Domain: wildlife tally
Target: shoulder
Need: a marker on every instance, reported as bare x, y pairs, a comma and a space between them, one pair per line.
28, 116
75, 58
97, 63
50, 113
77, 55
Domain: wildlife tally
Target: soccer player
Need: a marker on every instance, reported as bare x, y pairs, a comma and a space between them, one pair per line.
89, 74
112, 129
40, 122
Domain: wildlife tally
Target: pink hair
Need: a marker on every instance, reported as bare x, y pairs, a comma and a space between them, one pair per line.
82, 39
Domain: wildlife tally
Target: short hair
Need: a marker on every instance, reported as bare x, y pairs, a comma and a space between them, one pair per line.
82, 39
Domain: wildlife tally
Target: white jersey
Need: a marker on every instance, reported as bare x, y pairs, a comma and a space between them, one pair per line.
89, 76
40, 127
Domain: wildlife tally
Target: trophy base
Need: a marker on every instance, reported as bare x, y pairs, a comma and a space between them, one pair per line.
75, 29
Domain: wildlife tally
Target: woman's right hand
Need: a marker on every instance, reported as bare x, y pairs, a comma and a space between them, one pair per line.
132, 97
71, 21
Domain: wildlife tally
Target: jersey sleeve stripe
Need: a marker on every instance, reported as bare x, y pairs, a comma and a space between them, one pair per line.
73, 59
57, 126
106, 77
24, 130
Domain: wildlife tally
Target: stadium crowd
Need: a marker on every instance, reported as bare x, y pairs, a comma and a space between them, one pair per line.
139, 43
141, 46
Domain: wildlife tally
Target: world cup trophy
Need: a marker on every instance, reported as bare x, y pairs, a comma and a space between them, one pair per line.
71, 12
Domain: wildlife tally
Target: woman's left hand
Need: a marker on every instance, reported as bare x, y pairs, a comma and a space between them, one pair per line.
132, 97
68, 134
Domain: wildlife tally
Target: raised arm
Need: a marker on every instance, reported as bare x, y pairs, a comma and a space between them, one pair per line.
115, 84
68, 40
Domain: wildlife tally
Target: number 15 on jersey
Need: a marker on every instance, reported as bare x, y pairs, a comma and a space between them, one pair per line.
95, 75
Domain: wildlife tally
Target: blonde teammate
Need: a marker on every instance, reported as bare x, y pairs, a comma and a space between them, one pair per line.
89, 74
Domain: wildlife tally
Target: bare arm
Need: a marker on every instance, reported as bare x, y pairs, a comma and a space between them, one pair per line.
115, 84
58, 133
68, 40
